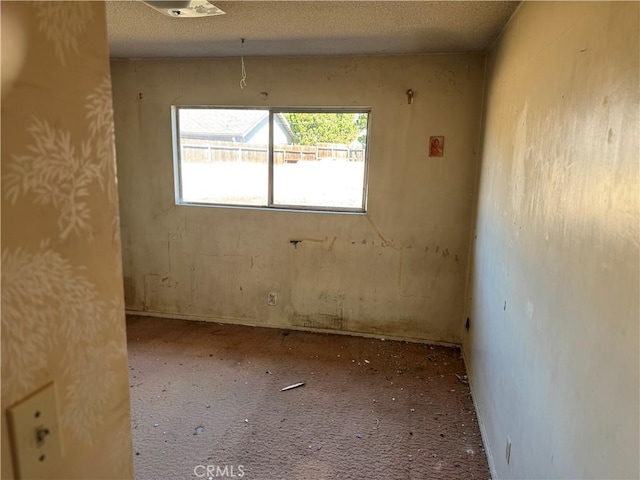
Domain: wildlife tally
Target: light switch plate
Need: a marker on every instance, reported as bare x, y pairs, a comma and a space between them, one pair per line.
35, 434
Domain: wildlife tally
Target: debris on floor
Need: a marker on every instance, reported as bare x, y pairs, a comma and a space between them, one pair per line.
295, 385
424, 433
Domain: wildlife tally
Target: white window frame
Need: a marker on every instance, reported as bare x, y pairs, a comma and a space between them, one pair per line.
177, 160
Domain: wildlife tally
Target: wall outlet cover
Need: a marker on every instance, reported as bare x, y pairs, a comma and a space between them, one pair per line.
272, 298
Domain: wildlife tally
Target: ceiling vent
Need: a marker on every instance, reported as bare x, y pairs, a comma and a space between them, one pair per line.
186, 8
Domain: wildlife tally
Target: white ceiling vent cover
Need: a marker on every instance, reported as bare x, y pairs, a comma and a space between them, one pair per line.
186, 8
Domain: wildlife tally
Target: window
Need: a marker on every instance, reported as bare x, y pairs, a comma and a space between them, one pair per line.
302, 159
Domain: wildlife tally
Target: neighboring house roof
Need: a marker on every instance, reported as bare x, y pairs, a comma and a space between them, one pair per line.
228, 125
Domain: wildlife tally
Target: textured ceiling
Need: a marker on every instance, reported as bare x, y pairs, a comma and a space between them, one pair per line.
308, 28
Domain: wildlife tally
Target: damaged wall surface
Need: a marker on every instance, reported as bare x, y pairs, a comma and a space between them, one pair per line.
398, 271
553, 346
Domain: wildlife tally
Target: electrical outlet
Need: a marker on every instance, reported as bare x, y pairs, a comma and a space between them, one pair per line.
35, 434
507, 451
272, 298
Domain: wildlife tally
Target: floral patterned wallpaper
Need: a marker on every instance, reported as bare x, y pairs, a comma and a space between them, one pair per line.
62, 299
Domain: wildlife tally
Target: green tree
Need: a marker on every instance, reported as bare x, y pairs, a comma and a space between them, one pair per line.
314, 128
361, 123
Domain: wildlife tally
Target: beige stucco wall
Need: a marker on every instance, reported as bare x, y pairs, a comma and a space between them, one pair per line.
553, 345
399, 270
62, 296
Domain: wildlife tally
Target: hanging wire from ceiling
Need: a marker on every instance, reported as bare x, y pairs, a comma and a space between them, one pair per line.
243, 80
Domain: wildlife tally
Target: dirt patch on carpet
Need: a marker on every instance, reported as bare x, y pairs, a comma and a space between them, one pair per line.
208, 396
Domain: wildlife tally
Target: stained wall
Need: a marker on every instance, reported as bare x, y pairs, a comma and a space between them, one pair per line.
398, 271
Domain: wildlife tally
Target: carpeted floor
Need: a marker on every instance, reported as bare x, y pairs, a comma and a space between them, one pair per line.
208, 396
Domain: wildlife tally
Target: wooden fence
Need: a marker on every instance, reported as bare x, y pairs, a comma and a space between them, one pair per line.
202, 152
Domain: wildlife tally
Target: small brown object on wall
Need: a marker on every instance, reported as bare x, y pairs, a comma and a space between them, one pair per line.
436, 146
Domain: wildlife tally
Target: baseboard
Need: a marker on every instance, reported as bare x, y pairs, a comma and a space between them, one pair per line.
483, 431
248, 323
